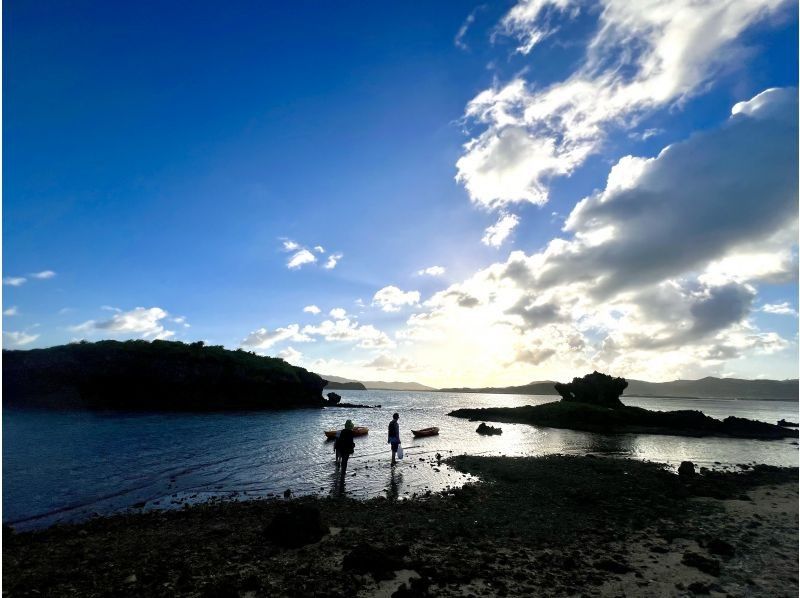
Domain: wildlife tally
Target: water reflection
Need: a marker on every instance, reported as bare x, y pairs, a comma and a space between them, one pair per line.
615, 445
395, 483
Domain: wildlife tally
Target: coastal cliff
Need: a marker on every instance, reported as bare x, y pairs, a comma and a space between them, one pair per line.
154, 376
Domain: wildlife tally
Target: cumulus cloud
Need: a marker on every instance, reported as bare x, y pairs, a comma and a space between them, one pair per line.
141, 321
643, 56
289, 245
391, 298
431, 271
18, 339
264, 339
14, 281
311, 309
347, 329
43, 275
496, 234
332, 261
384, 361
656, 275
338, 313
781, 309
319, 249
291, 355
11, 311
300, 258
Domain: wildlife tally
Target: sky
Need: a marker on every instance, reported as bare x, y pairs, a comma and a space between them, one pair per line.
455, 193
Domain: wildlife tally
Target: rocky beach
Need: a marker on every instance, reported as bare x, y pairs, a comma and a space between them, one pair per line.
551, 526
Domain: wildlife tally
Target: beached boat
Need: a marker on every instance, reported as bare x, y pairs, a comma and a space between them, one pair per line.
425, 432
357, 431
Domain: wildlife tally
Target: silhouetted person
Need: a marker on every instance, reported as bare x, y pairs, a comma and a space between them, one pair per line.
345, 445
394, 435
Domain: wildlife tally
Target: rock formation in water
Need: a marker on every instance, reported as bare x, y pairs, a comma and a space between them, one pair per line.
154, 376
334, 398
488, 430
594, 389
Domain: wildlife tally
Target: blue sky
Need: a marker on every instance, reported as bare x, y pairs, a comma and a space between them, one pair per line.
161, 158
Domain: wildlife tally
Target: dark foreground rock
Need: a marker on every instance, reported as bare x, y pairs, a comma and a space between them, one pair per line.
625, 419
534, 526
297, 525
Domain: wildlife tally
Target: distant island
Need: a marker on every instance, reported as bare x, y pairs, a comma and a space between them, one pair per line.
154, 376
592, 404
345, 386
377, 384
704, 388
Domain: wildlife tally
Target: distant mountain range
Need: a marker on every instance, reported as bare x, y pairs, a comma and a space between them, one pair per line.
705, 388
378, 384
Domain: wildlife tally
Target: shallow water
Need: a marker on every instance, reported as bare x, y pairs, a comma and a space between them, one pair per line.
67, 466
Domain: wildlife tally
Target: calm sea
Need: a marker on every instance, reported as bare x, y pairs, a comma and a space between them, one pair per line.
68, 466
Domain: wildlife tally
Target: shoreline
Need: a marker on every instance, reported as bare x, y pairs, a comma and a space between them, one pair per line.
555, 525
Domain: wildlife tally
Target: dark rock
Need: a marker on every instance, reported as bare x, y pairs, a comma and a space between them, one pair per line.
488, 430
595, 389
698, 587
366, 558
287, 493
334, 398
296, 526
703, 563
787, 424
721, 547
686, 469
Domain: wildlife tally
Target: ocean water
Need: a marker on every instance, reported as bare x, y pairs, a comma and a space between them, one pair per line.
60, 467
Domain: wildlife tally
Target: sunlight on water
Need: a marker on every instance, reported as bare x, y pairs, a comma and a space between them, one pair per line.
63, 466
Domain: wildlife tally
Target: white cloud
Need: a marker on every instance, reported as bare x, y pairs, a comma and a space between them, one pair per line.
338, 313
43, 275
499, 231
348, 330
145, 322
644, 56
289, 245
384, 361
311, 309
319, 249
11, 311
291, 355
304, 256
333, 259
264, 339
782, 309
431, 271
14, 281
18, 339
391, 298
458, 41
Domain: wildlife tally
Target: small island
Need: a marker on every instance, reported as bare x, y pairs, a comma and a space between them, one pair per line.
154, 376
592, 404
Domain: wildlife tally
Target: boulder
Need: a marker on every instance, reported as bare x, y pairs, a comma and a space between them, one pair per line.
334, 398
296, 526
488, 430
703, 563
686, 469
594, 389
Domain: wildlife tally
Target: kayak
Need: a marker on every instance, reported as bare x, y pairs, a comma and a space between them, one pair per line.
425, 432
357, 431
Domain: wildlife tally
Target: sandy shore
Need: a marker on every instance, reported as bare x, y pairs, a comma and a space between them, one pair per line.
549, 526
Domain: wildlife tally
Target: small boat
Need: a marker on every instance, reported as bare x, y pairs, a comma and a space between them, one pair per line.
357, 431
425, 432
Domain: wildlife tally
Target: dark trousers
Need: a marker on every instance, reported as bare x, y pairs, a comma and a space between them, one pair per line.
343, 465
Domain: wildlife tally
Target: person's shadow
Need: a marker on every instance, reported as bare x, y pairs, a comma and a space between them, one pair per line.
338, 483
395, 481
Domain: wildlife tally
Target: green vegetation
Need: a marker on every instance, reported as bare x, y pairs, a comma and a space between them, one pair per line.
158, 376
595, 418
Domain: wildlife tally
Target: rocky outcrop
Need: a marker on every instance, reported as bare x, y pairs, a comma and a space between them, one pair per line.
488, 430
154, 376
686, 469
787, 424
593, 389
333, 398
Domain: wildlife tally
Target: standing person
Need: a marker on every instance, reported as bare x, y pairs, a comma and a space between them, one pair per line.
394, 435
345, 445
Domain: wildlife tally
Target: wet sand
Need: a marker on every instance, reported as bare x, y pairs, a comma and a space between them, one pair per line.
547, 526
